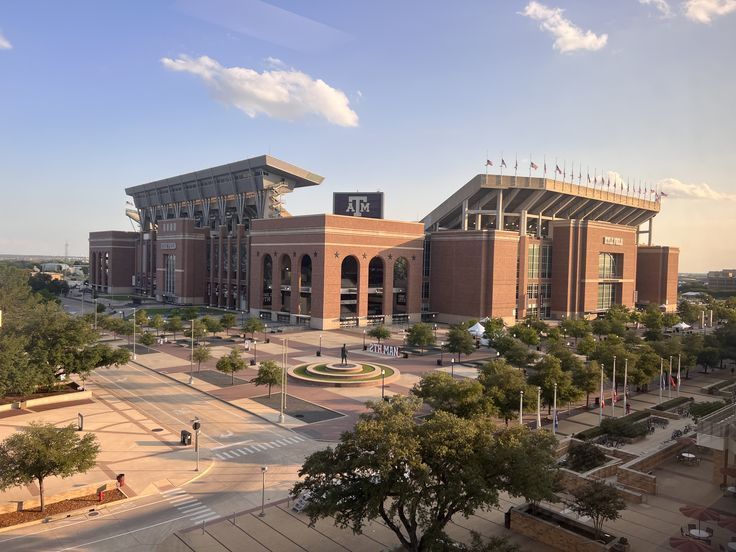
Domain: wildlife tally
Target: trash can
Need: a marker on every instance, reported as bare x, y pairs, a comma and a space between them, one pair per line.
186, 437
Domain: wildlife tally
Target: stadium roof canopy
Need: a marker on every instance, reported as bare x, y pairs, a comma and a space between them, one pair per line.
540, 197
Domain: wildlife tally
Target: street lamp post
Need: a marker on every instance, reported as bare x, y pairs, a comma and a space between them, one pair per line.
265, 330
442, 351
364, 345
319, 351
284, 364
383, 384
521, 407
435, 331
554, 410
264, 469
539, 407
452, 366
133, 334
95, 313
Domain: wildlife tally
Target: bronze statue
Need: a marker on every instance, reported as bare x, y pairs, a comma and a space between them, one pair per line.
344, 354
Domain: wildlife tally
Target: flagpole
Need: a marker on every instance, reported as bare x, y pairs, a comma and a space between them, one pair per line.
501, 167
539, 407
661, 364
486, 166
530, 167
669, 383
554, 410
626, 374
516, 166
602, 400
613, 389
679, 359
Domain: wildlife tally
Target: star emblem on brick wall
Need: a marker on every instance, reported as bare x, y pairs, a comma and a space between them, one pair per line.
337, 254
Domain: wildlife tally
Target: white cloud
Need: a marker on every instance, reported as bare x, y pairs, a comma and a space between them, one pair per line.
662, 6
568, 37
677, 189
281, 94
5, 43
274, 63
704, 11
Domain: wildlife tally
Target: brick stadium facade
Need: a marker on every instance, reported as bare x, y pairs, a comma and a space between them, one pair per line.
500, 246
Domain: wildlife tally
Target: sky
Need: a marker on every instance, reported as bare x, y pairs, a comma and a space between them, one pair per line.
409, 98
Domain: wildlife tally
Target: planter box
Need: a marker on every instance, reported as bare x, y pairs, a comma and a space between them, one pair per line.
557, 531
16, 506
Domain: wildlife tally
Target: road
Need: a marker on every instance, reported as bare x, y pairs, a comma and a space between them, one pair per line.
234, 444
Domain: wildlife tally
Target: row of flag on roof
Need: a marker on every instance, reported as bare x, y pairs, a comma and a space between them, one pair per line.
615, 185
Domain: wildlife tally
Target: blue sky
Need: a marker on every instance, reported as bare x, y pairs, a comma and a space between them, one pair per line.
403, 97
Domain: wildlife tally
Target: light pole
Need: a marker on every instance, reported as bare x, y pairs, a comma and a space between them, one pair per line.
383, 384
521, 407
191, 358
669, 383
134, 334
95, 313
452, 366
284, 349
539, 407
442, 351
264, 469
364, 345
626, 383
319, 351
613, 391
554, 410
265, 330
601, 400
435, 331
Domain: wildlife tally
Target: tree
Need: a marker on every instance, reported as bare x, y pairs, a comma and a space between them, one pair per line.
568, 360
141, 317
576, 327
211, 325
16, 376
269, 373
586, 378
39, 451
231, 363
494, 329
174, 325
689, 312
227, 321
503, 385
519, 354
189, 313
420, 335
460, 341
670, 319
157, 323
201, 354
100, 308
601, 327
199, 327
252, 326
599, 501
379, 332
709, 357
585, 456
548, 372
525, 334
416, 476
147, 339
465, 398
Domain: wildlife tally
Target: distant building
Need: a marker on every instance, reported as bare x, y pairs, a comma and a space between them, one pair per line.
498, 246
722, 280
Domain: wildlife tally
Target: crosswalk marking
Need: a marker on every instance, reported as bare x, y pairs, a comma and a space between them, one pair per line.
189, 506
254, 448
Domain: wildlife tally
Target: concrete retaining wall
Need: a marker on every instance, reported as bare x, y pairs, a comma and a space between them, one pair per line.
57, 399
36, 502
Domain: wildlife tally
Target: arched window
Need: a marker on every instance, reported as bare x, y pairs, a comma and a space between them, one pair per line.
375, 286
401, 285
349, 287
285, 283
305, 285
267, 281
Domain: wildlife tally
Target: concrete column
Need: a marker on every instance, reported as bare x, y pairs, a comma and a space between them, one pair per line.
499, 211
228, 244
522, 224
649, 234
213, 273
478, 221
464, 215
362, 290
238, 243
220, 240
539, 226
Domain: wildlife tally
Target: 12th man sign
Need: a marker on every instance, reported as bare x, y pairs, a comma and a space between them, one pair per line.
358, 204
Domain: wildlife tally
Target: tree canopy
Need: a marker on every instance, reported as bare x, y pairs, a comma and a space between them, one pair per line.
39, 451
269, 373
416, 476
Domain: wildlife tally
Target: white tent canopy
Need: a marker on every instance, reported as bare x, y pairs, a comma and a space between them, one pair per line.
681, 326
477, 330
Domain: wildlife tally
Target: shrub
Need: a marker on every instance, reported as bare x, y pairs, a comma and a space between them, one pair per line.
585, 456
672, 403
698, 410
